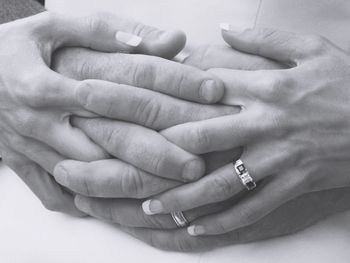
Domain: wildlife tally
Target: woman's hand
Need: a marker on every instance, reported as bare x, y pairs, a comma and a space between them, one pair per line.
294, 127
160, 230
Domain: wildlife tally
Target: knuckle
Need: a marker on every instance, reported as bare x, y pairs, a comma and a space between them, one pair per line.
49, 18
222, 187
28, 124
85, 69
200, 58
113, 139
247, 216
97, 23
131, 182
316, 44
275, 87
33, 89
143, 74
142, 30
201, 139
148, 112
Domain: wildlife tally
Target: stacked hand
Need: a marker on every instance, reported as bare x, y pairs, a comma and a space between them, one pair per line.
37, 103
151, 145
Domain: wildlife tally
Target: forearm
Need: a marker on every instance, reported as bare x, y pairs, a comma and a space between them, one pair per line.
15, 9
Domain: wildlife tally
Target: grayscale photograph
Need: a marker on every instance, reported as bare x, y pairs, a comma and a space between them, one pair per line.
167, 131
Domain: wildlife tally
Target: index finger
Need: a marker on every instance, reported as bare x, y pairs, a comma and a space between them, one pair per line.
148, 72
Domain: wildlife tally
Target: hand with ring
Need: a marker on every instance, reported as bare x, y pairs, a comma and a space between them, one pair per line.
293, 127
128, 214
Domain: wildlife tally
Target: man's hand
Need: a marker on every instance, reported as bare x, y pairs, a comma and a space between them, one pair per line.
37, 102
121, 179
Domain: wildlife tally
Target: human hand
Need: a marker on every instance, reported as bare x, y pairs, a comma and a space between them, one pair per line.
293, 126
160, 230
120, 179
36, 102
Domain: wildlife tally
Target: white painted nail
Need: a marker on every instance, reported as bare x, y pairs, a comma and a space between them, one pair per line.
128, 39
181, 57
152, 207
195, 230
145, 207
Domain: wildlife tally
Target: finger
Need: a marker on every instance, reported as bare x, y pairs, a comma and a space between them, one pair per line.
217, 56
215, 160
217, 134
56, 131
267, 198
261, 161
141, 106
287, 219
179, 240
143, 148
279, 45
112, 33
141, 71
43, 155
109, 179
128, 212
53, 197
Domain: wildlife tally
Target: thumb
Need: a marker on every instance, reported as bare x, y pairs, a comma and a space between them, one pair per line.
282, 46
111, 33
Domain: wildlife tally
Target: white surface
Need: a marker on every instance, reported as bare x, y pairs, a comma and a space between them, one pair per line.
31, 234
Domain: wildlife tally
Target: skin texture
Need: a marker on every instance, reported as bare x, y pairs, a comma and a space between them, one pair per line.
132, 209
35, 117
293, 126
159, 230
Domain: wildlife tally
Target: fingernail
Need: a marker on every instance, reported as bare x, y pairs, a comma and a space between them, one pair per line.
193, 170
195, 230
128, 39
61, 175
181, 57
231, 28
152, 207
209, 91
82, 203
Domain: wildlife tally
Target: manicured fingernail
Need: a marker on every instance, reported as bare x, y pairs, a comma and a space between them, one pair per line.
193, 170
61, 175
128, 39
152, 207
82, 203
196, 230
181, 57
231, 28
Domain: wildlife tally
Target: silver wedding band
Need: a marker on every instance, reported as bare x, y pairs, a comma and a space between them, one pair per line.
179, 219
244, 175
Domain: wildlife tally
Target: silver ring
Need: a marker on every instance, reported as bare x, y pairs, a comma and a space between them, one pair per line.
244, 175
180, 219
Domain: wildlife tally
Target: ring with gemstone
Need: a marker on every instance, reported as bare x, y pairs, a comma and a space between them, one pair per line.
180, 219
244, 175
